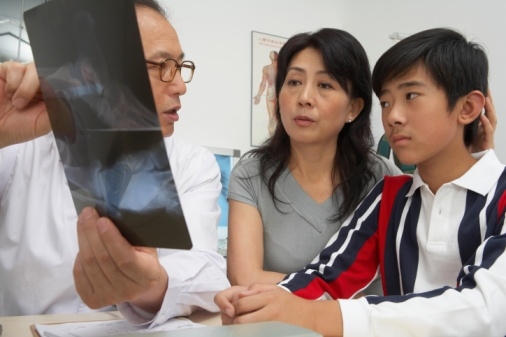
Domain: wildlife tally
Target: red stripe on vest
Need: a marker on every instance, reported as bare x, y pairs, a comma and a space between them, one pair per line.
345, 285
501, 205
390, 189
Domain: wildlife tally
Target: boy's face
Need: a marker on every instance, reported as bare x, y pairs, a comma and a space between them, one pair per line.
415, 115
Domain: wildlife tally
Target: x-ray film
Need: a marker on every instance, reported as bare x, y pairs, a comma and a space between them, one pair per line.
94, 80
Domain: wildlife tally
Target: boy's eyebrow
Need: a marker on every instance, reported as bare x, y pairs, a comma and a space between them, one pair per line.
408, 84
413, 83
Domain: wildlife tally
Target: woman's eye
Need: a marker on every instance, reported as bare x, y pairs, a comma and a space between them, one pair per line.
325, 85
292, 82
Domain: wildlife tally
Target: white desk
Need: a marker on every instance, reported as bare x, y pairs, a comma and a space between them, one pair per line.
19, 326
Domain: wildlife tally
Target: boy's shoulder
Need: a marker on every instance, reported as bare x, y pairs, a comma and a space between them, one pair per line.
392, 186
397, 180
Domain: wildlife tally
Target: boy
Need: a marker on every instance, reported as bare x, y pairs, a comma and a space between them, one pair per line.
438, 238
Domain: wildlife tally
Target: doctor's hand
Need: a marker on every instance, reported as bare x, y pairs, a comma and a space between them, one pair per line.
108, 270
23, 114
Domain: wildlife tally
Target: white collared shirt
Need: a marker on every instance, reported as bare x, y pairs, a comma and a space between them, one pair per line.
38, 241
442, 258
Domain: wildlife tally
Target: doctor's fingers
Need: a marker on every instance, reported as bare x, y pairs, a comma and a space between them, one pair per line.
95, 269
110, 261
21, 83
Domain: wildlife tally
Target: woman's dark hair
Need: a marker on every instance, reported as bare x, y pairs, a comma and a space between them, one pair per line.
456, 65
346, 62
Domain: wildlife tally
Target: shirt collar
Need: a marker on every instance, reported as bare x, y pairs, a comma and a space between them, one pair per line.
483, 175
480, 178
168, 144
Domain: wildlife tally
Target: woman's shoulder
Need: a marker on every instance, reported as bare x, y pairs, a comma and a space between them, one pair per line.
247, 166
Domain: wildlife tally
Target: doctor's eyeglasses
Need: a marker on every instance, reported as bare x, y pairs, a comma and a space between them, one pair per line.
169, 68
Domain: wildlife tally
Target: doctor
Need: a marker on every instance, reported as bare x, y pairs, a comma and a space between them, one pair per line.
50, 265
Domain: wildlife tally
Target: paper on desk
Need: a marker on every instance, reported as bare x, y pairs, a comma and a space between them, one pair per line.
108, 328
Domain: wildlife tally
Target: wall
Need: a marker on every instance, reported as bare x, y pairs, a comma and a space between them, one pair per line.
216, 35
13, 38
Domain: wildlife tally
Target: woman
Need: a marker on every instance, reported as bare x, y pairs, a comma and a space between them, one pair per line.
289, 196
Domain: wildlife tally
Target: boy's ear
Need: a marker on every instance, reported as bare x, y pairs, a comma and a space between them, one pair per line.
357, 104
472, 107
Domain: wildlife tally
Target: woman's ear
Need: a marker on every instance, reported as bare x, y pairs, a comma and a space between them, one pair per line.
473, 104
356, 106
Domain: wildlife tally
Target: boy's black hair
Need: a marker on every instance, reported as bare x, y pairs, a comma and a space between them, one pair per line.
456, 65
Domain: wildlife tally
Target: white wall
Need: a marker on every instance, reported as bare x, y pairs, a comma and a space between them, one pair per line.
216, 35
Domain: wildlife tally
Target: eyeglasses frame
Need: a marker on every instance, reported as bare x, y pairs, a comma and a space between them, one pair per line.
186, 63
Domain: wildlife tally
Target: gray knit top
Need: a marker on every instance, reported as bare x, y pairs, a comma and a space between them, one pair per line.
296, 233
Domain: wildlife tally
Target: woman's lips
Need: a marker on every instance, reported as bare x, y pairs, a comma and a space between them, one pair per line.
303, 121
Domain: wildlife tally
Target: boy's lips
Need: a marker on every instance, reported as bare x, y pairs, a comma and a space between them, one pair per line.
398, 139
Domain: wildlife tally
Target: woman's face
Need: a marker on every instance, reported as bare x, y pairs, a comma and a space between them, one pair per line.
313, 106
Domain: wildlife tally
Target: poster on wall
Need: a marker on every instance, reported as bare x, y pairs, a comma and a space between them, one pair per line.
264, 56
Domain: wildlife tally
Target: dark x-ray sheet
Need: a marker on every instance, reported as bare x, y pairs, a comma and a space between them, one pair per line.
94, 80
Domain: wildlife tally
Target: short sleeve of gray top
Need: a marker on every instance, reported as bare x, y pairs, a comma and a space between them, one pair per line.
296, 233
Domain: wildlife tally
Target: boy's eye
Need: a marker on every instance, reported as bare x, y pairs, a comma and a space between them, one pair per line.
411, 95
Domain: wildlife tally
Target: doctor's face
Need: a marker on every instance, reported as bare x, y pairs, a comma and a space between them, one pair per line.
160, 42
